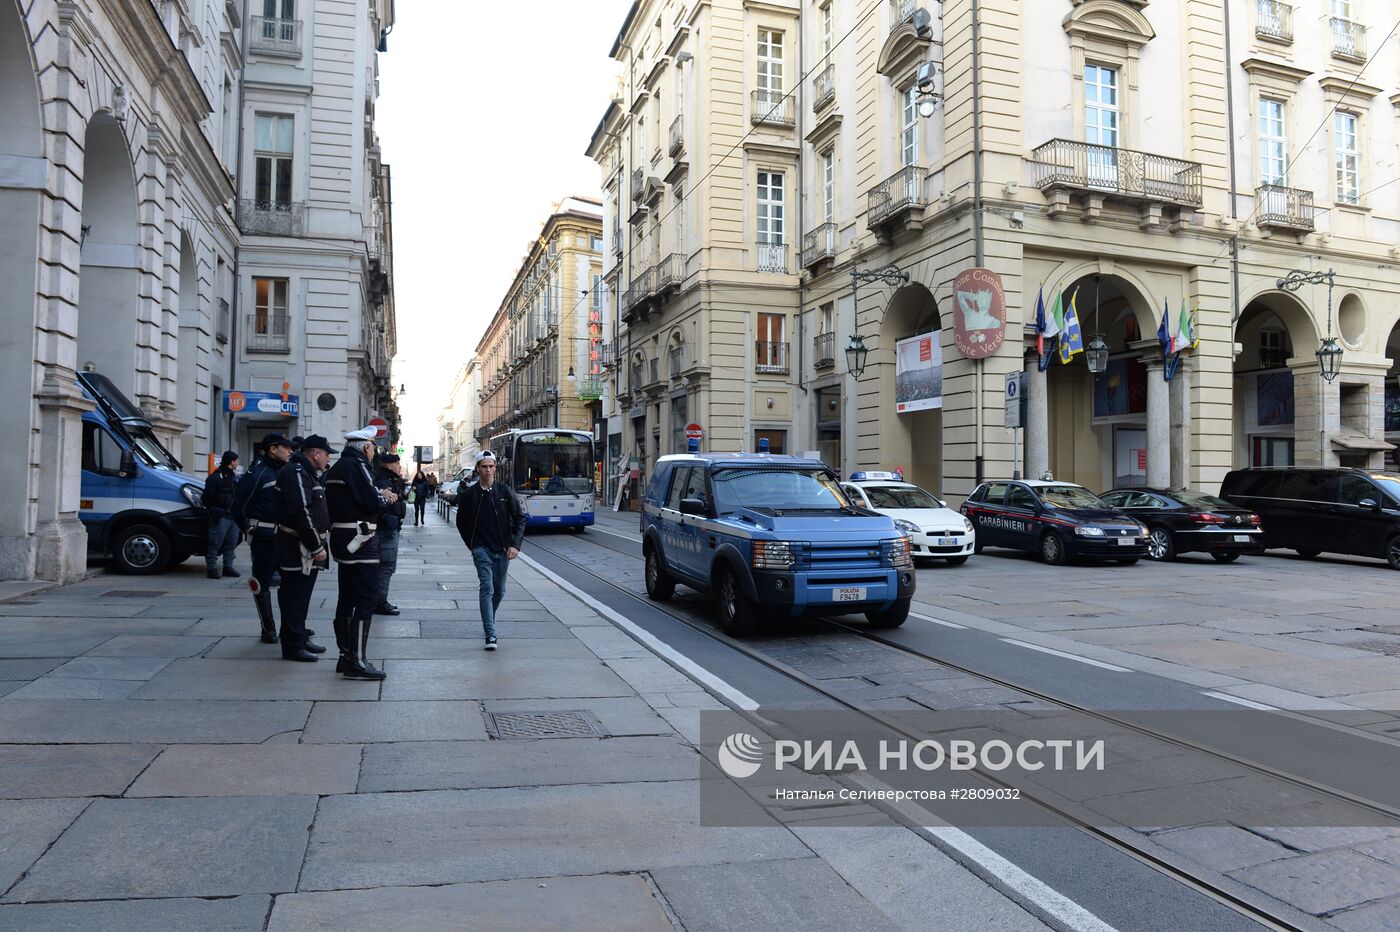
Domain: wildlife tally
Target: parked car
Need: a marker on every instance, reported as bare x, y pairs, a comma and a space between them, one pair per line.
1058, 520
934, 529
448, 490
770, 536
1351, 511
1180, 521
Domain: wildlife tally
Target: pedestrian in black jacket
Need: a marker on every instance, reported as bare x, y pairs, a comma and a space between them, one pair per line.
356, 508
255, 513
422, 491
492, 524
302, 525
388, 476
223, 532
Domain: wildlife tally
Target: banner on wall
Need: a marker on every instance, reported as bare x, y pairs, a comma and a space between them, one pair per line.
918, 373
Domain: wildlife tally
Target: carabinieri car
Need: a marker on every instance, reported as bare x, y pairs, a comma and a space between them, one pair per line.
1058, 520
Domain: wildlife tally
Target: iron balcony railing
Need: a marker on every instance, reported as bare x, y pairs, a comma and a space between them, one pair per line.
221, 322
824, 350
773, 107
903, 189
1063, 163
641, 283
770, 357
824, 86
638, 180
668, 273
903, 9
1284, 207
772, 257
677, 135
269, 333
675, 357
270, 218
818, 243
1348, 39
1275, 21
272, 36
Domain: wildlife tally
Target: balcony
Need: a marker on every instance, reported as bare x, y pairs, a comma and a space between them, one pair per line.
590, 389
772, 257
771, 358
819, 245
897, 203
638, 180
773, 108
1348, 40
269, 333
221, 321
1281, 208
677, 135
270, 218
667, 276
901, 10
268, 35
1275, 22
824, 350
824, 87
675, 362
641, 286
1064, 169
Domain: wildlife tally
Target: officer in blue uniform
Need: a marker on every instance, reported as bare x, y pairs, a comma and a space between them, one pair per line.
302, 525
255, 511
356, 508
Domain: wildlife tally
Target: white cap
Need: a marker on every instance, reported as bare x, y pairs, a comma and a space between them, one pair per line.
486, 455
363, 435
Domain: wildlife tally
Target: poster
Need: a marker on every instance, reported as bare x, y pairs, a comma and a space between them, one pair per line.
1122, 388
979, 313
1392, 405
918, 373
1275, 404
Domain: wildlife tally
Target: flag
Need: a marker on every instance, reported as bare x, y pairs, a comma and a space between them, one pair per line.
1045, 332
1186, 330
1071, 339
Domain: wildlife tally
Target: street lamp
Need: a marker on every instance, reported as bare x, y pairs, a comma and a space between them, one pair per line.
1329, 353
856, 351
1096, 354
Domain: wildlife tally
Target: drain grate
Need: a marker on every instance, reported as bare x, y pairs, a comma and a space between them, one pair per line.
1389, 648
133, 593
28, 668
543, 725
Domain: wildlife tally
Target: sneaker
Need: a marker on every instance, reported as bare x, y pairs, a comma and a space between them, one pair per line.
491, 643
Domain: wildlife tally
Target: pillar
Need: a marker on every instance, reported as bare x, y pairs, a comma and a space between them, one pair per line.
1180, 404
61, 548
1037, 420
1158, 426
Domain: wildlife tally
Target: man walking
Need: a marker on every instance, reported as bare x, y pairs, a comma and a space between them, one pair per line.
303, 523
255, 513
492, 525
388, 476
223, 532
356, 508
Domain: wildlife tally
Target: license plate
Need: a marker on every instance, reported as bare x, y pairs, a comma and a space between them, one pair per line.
1127, 541
848, 595
1241, 538
947, 542
554, 518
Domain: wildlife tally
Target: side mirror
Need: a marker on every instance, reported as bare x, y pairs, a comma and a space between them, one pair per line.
127, 468
692, 506
1370, 504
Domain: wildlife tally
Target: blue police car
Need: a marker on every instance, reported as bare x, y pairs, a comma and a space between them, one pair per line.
769, 536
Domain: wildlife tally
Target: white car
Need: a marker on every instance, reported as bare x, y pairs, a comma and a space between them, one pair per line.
935, 530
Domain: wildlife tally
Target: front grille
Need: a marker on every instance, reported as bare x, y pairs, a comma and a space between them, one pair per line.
957, 549
828, 557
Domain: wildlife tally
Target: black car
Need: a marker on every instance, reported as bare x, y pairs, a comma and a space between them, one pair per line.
1181, 521
1352, 511
1057, 520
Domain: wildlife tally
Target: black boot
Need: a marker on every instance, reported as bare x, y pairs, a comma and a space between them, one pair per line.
263, 600
343, 664
384, 608
357, 667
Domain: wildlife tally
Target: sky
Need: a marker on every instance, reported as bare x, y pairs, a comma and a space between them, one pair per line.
485, 110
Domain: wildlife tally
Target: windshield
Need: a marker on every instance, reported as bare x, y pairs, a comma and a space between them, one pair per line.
900, 496
1203, 502
777, 490
150, 449
1069, 496
556, 464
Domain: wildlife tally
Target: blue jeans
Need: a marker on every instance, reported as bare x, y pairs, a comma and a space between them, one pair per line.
491, 568
388, 534
223, 540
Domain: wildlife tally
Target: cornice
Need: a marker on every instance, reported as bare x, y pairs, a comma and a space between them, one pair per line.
1273, 69
1346, 89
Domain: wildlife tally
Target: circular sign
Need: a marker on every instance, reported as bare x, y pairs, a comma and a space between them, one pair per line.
979, 313
381, 426
236, 401
694, 432
325, 401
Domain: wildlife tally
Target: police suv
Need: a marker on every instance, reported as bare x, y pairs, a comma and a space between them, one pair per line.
934, 529
770, 535
1057, 520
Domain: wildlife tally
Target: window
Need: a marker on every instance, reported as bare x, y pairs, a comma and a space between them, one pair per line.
829, 186
680, 416
680, 223
770, 63
770, 207
101, 454
826, 17
680, 479
827, 322
909, 127
771, 349
1273, 354
1101, 122
1018, 496
995, 494
270, 306
680, 90
280, 9
595, 243
272, 179
595, 294
1273, 144
777, 443
1348, 158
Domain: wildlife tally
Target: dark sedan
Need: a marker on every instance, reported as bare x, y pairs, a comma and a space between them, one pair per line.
1056, 520
1180, 521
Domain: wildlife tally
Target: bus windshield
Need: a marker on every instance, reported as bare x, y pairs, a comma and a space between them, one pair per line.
554, 464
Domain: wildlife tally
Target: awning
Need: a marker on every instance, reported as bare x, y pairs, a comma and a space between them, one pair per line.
1360, 443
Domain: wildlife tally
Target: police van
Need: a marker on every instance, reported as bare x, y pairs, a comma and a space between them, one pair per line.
138, 507
771, 536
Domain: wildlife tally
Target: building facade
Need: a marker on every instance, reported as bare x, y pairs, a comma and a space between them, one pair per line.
1103, 161
457, 424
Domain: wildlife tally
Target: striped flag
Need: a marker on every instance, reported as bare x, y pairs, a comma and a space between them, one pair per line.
1071, 339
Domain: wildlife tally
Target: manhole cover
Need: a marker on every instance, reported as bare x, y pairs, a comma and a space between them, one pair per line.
456, 586
543, 725
28, 668
134, 593
1389, 648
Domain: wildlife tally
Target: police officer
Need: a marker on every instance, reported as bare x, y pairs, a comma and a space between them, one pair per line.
356, 508
223, 532
302, 526
388, 475
255, 511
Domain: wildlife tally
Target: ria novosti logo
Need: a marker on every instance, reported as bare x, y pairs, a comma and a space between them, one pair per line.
740, 755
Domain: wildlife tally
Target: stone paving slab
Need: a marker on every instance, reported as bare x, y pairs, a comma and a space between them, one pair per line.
499, 678
618, 716
232, 914
606, 903
112, 668
408, 720
1323, 882
251, 770
1222, 848
30, 826
34, 771
139, 848
69, 721
50, 687
203, 678
47, 645
152, 645
1375, 917
505, 629
454, 836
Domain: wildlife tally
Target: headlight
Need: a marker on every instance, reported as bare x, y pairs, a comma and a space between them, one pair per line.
772, 555
1142, 529
908, 527
1089, 531
899, 552
193, 494
967, 522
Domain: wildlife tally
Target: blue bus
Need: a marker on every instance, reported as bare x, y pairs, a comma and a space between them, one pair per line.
552, 472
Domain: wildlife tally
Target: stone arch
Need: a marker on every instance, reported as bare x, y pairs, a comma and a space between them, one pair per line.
1124, 282
1275, 333
912, 440
109, 280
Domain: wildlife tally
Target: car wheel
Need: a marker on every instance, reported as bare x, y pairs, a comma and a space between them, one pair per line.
1392, 552
1160, 545
892, 617
957, 561
1225, 557
660, 585
738, 615
1052, 549
141, 550
1307, 553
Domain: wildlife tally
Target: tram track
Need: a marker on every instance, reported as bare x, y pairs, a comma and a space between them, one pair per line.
1228, 894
